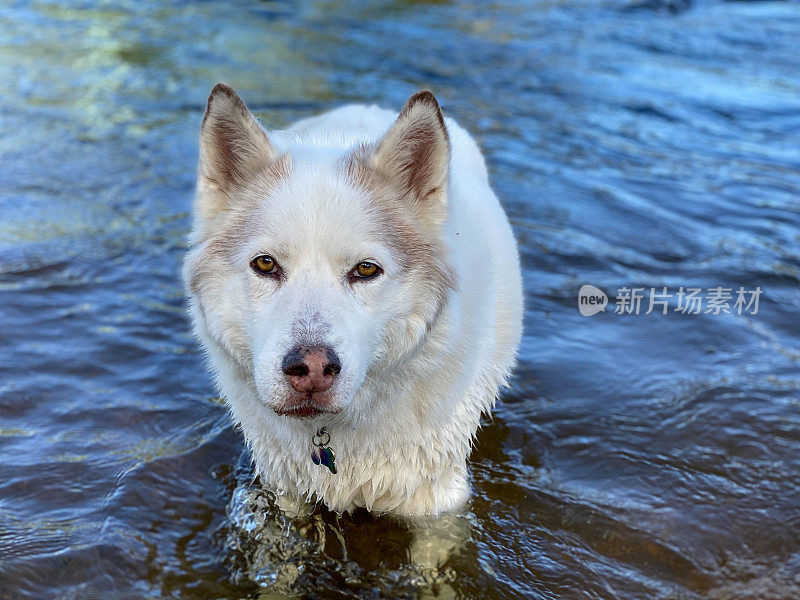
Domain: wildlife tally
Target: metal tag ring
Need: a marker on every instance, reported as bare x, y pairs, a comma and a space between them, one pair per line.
322, 433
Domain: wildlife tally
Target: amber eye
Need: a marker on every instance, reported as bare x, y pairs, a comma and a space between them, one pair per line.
365, 270
264, 264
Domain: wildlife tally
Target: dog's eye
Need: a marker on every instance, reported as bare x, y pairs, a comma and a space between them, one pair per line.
365, 270
264, 264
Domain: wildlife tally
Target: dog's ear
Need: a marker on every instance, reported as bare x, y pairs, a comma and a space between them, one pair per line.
233, 147
415, 155
232, 143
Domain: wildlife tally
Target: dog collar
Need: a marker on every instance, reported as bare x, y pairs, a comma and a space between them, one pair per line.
321, 453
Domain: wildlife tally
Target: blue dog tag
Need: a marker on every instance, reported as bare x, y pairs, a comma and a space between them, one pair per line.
320, 453
326, 458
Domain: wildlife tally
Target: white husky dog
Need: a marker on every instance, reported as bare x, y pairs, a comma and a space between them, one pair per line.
356, 286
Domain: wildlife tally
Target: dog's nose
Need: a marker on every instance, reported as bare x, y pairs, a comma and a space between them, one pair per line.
311, 368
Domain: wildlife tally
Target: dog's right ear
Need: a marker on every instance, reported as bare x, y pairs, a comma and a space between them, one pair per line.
415, 155
233, 147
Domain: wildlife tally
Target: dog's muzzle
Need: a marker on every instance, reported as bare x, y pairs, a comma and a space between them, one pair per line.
311, 372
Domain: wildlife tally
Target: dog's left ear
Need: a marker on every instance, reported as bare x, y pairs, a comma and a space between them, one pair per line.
415, 155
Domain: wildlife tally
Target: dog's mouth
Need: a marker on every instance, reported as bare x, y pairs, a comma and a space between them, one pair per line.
306, 409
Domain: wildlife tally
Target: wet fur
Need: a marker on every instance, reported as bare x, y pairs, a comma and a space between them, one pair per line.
424, 350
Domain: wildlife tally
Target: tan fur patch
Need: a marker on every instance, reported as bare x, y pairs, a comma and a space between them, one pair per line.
418, 247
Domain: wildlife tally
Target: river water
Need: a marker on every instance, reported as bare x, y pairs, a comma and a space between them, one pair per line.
635, 144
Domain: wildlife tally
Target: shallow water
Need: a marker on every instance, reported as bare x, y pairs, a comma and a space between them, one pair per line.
649, 144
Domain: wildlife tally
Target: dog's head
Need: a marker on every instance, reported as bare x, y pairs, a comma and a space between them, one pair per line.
311, 269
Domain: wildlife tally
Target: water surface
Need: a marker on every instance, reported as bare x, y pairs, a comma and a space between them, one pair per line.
650, 144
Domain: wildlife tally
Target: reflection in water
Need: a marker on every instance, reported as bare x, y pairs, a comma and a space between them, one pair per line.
640, 144
332, 554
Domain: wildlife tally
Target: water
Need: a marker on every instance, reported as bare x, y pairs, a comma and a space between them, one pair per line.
645, 143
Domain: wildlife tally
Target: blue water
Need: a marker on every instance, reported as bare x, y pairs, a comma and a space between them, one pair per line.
634, 144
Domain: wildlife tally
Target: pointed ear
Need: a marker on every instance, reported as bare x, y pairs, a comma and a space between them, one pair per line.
415, 154
233, 147
232, 143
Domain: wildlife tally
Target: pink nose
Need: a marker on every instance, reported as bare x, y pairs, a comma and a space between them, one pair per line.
311, 368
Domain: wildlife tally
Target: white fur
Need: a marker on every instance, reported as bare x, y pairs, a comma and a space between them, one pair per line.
411, 395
